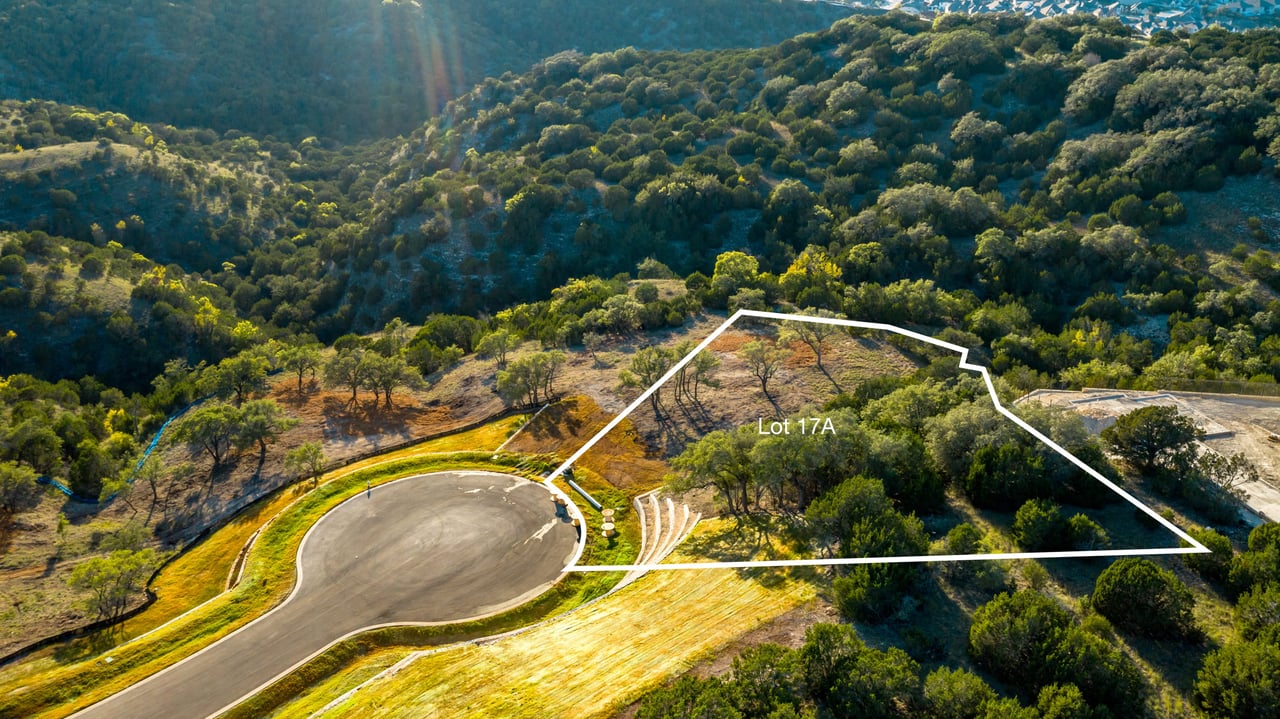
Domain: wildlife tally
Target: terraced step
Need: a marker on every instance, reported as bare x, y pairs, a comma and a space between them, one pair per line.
659, 537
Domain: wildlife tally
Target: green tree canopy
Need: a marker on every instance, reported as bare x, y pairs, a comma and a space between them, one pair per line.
1258, 610
19, 491
1012, 635
764, 359
261, 421
213, 426
1240, 681
1142, 598
648, 365
766, 677
498, 344
1005, 476
956, 694
689, 698
1040, 526
1152, 438
1216, 565
345, 369
306, 460
721, 459
531, 379
239, 376
301, 360
113, 580
385, 373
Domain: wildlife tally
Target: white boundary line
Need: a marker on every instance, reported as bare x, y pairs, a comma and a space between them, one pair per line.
1195, 548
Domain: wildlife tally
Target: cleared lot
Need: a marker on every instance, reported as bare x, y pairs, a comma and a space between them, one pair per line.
1232, 424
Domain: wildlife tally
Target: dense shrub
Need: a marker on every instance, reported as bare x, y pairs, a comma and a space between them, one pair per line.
1216, 565
1140, 597
1240, 681
1258, 610
1040, 526
1005, 476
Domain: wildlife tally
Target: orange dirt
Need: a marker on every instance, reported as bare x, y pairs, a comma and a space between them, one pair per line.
620, 458
801, 355
731, 341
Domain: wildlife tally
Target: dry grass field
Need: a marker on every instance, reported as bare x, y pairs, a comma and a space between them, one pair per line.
590, 662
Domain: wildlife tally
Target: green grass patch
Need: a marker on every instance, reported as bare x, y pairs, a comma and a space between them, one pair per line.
316, 697
622, 548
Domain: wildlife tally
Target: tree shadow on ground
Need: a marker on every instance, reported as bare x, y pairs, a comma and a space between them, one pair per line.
931, 623
752, 539
770, 577
865, 342
293, 398
834, 382
95, 643
695, 414
777, 408
745, 540
256, 477
672, 432
365, 417
1177, 661
556, 422
1076, 576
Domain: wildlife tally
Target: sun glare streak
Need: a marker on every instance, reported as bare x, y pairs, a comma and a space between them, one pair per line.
428, 52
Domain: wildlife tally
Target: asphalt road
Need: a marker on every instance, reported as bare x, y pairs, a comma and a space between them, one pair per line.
432, 548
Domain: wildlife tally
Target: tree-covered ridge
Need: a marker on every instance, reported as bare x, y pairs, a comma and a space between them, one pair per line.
339, 68
118, 194
249, 187
74, 310
1017, 182
890, 144
1012, 186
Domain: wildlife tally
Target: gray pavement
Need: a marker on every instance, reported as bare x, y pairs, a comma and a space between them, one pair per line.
431, 548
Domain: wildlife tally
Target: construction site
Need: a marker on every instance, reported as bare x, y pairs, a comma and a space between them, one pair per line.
1230, 423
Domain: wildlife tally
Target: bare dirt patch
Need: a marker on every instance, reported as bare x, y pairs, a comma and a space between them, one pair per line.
564, 427
740, 400
345, 428
730, 342
633, 455
34, 598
